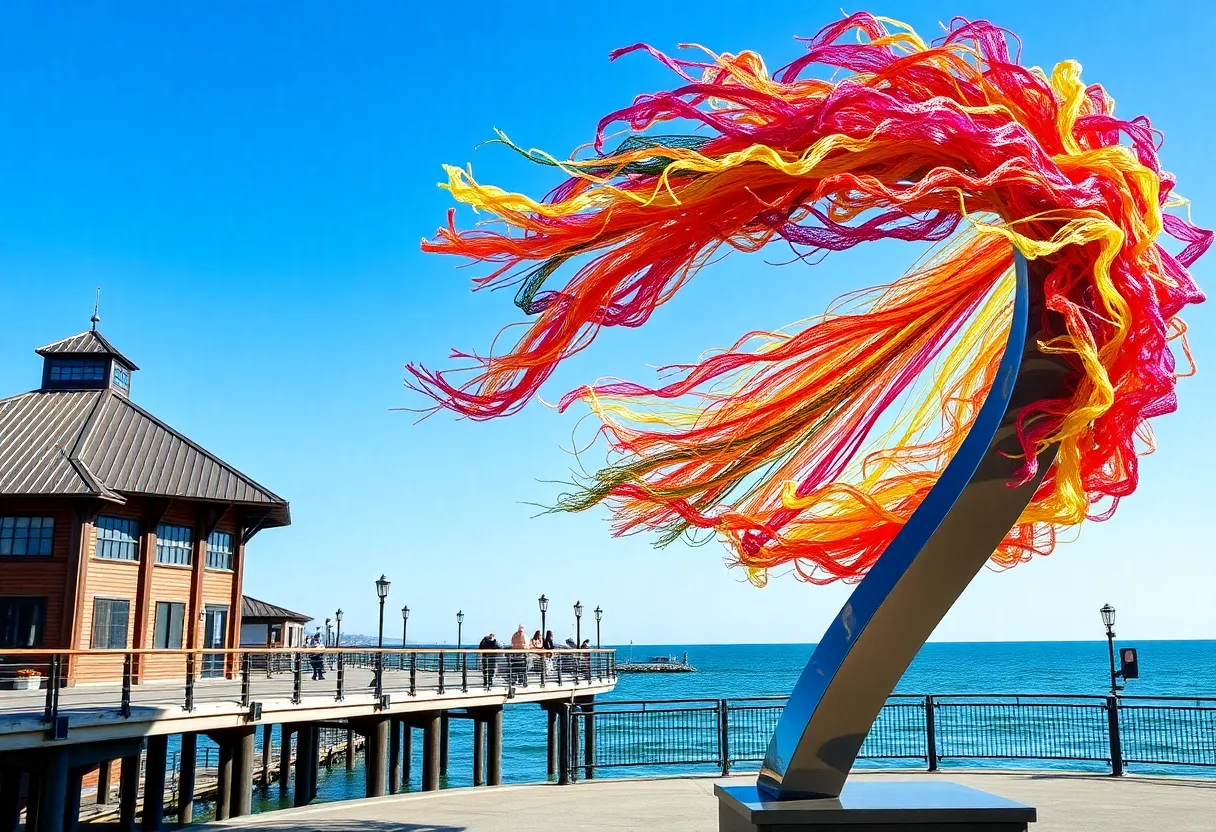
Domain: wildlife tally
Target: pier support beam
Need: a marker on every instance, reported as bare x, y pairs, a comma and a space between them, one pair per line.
223, 777
52, 795
350, 750
128, 791
305, 766
551, 742
286, 731
430, 752
445, 730
407, 753
10, 800
185, 778
375, 754
494, 746
243, 750
479, 752
267, 736
154, 782
563, 746
71, 809
103, 782
394, 756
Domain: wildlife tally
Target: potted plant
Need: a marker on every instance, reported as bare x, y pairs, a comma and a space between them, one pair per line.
27, 679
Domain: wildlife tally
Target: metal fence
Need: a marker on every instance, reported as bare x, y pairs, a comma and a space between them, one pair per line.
911, 730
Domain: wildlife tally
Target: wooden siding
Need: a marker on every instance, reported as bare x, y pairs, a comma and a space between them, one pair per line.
217, 588
41, 577
169, 583
105, 579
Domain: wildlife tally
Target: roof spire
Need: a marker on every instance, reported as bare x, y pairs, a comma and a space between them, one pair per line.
96, 319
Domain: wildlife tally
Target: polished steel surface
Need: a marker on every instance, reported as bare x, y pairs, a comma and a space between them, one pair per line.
895, 608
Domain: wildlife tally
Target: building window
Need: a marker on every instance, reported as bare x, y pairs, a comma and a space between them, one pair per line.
21, 622
170, 616
219, 551
26, 535
122, 379
110, 623
174, 544
117, 538
78, 369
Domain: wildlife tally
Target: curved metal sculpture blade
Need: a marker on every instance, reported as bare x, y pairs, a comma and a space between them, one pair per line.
924, 570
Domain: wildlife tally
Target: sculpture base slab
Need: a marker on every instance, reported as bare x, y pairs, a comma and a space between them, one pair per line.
892, 806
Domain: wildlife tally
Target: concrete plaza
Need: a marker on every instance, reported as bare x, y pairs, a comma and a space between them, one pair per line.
1066, 803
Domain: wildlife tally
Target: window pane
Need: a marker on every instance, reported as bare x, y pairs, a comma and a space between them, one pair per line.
174, 544
21, 621
110, 623
117, 538
177, 617
26, 536
219, 550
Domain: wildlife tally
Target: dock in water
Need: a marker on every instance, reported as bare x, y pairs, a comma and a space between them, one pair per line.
657, 664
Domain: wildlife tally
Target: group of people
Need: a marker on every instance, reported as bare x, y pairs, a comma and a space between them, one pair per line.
536, 653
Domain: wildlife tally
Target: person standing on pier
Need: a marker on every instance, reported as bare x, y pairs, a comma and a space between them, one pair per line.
519, 663
317, 659
488, 660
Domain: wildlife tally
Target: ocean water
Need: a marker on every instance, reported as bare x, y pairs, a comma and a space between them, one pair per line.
1167, 668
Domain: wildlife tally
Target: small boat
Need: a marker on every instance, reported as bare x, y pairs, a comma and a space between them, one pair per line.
656, 664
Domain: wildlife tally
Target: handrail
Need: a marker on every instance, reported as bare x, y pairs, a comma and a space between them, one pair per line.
55, 651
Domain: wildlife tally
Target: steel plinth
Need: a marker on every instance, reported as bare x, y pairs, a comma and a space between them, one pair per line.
924, 570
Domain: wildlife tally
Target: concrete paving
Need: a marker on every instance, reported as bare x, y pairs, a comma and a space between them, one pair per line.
1066, 803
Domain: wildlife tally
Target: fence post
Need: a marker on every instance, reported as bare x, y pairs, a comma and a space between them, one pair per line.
245, 665
379, 671
52, 685
724, 735
341, 677
125, 709
297, 682
441, 671
563, 745
189, 682
1116, 744
413, 674
930, 733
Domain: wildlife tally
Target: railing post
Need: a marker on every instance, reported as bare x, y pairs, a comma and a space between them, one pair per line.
297, 679
441, 671
125, 709
342, 679
189, 682
1116, 744
379, 674
930, 733
464, 673
724, 735
413, 674
542, 670
245, 681
51, 711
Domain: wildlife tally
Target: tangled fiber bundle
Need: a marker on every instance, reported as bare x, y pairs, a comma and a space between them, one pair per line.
800, 448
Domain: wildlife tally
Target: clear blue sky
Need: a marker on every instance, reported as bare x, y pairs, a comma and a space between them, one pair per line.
249, 184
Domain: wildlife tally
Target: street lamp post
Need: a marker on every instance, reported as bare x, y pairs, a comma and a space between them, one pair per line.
338, 632
328, 635
599, 616
544, 608
381, 591
460, 630
578, 623
405, 623
1108, 618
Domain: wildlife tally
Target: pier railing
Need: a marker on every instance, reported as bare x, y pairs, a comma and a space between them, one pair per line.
956, 730
56, 682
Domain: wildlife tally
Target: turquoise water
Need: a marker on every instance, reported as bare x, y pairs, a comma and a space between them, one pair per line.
1167, 668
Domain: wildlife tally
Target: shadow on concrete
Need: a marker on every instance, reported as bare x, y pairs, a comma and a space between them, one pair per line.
1176, 782
302, 824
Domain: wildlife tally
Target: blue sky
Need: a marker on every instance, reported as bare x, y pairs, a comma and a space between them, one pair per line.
249, 184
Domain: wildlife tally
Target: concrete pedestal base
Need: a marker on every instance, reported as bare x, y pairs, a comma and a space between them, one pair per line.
874, 807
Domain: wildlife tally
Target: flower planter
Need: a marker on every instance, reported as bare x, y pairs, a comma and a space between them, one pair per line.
27, 683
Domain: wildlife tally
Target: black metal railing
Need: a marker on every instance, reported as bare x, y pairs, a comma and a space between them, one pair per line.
911, 730
167, 678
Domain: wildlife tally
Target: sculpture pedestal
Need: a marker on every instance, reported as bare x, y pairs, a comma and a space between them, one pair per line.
892, 806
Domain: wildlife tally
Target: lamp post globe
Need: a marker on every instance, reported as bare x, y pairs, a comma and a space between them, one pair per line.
1108, 618
382, 592
578, 623
338, 633
599, 616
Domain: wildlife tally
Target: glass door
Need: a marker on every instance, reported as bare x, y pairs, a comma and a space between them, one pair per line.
215, 629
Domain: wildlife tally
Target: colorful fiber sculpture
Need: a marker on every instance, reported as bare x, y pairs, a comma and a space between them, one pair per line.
800, 447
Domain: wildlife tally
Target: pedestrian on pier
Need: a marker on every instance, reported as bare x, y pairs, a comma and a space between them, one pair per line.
317, 659
488, 660
519, 661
